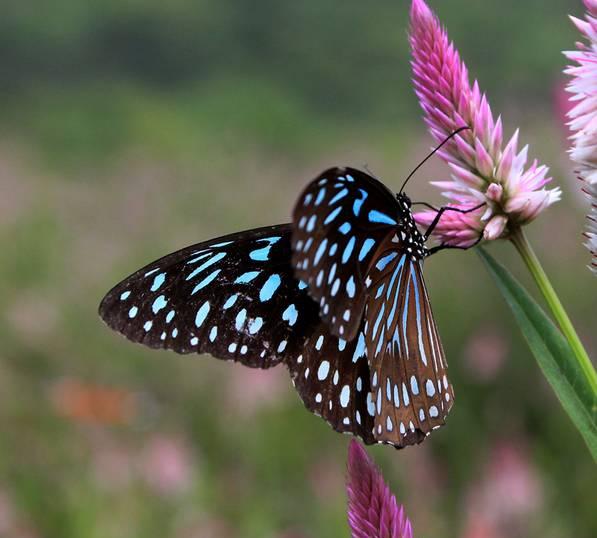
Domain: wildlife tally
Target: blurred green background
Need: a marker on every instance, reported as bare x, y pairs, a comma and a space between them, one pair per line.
132, 128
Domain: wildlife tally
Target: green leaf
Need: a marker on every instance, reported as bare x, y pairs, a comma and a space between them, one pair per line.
552, 351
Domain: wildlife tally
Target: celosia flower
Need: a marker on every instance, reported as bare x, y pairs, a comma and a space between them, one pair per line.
372, 509
584, 116
483, 171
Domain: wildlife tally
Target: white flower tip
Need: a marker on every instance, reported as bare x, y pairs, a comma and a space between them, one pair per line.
555, 195
495, 228
494, 192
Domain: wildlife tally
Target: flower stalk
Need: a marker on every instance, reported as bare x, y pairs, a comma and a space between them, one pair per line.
520, 241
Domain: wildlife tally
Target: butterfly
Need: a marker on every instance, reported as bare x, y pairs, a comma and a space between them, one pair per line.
337, 295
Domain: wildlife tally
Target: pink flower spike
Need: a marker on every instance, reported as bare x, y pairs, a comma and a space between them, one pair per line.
372, 509
483, 171
583, 118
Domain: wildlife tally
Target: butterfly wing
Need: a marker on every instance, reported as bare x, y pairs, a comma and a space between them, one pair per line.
409, 381
339, 221
331, 376
234, 297
249, 296
252, 317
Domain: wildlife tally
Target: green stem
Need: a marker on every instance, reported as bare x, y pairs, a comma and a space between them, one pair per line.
532, 262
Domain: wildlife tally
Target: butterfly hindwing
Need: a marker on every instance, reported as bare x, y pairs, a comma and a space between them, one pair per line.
331, 376
234, 297
339, 221
409, 380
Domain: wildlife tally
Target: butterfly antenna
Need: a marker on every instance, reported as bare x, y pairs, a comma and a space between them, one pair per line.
448, 138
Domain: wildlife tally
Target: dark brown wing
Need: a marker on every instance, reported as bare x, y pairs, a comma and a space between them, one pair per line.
339, 222
234, 297
408, 368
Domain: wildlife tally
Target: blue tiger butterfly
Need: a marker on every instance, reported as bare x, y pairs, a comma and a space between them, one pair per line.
337, 295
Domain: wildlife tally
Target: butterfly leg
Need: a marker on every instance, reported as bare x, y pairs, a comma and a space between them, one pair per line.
443, 246
441, 211
436, 220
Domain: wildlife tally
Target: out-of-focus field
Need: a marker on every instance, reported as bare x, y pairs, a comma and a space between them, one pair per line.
129, 130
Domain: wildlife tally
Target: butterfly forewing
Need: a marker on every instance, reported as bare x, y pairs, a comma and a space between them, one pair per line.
408, 369
234, 297
339, 221
256, 323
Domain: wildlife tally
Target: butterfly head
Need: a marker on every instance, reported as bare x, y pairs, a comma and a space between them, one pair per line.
410, 232
404, 201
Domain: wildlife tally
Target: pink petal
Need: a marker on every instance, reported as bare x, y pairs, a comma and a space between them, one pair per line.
476, 157
495, 192
495, 227
372, 509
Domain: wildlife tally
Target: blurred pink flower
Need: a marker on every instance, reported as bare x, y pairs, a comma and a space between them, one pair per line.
485, 352
204, 526
583, 117
113, 463
166, 465
482, 171
249, 389
372, 509
11, 521
507, 493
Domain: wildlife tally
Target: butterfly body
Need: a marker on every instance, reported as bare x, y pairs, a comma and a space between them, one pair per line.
337, 296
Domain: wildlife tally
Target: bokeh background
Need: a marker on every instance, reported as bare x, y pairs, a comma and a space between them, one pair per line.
129, 129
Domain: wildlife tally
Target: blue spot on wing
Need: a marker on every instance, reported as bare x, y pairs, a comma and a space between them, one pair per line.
206, 264
339, 196
367, 246
383, 262
241, 317
245, 278
158, 281
261, 254
269, 288
360, 348
381, 218
202, 256
207, 280
202, 314
358, 203
348, 249
320, 196
230, 301
290, 315
345, 228
332, 215
158, 304
350, 287
320, 251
